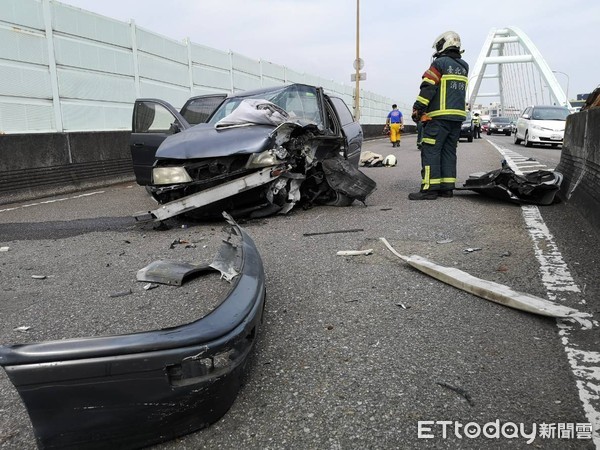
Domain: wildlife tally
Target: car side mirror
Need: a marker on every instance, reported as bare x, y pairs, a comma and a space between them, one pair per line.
174, 128
525, 116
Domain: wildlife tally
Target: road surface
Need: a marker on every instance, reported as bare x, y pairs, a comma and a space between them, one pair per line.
355, 352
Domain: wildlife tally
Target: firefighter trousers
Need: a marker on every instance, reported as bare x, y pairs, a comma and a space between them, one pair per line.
438, 154
394, 132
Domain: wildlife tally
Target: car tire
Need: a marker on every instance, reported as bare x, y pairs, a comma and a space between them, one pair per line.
470, 139
488, 133
528, 143
517, 141
554, 145
340, 200
507, 134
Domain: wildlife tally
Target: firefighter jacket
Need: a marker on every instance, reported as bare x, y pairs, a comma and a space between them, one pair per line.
444, 88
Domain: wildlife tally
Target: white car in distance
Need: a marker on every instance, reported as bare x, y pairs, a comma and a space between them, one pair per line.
542, 125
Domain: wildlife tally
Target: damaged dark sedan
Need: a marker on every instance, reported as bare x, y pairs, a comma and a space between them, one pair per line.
253, 154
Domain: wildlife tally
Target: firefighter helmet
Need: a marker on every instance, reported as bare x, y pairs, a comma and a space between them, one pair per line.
444, 41
390, 161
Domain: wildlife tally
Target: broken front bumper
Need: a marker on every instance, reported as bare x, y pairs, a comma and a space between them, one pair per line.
133, 390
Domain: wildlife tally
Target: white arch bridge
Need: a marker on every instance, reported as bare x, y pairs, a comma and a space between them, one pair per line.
518, 72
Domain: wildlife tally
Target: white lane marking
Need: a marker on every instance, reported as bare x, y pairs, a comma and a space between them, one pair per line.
46, 202
557, 280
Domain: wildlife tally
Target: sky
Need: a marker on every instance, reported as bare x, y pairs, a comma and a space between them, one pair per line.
318, 37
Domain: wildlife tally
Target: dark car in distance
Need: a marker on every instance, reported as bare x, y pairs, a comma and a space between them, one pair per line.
467, 129
255, 153
500, 125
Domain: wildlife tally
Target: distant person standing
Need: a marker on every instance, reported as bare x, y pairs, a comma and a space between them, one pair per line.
395, 123
440, 106
476, 126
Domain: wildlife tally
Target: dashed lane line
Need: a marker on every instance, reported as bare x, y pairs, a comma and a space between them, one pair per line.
45, 202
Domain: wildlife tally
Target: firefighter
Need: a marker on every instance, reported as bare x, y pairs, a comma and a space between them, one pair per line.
394, 123
476, 126
440, 106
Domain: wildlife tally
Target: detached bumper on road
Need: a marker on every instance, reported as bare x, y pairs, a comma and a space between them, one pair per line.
134, 390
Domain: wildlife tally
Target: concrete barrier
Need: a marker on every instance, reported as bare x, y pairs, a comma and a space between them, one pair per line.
580, 164
38, 165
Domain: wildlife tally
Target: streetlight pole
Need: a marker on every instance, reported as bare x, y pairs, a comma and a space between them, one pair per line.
357, 93
567, 103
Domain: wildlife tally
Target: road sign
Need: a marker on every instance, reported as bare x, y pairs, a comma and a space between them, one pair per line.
358, 64
362, 76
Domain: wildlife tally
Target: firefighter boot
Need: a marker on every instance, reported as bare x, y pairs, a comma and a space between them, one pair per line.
423, 195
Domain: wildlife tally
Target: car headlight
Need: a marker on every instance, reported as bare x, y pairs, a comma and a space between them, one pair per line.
170, 175
264, 159
536, 127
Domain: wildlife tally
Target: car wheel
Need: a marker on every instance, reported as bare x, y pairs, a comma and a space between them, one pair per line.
340, 200
488, 133
507, 134
470, 139
527, 141
517, 141
554, 145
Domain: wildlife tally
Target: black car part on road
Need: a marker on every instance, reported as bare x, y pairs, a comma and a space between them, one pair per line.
538, 188
130, 391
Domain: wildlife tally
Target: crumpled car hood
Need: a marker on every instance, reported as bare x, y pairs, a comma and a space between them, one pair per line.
215, 143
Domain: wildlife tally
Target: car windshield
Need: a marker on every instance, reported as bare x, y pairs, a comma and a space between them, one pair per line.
299, 101
550, 114
502, 120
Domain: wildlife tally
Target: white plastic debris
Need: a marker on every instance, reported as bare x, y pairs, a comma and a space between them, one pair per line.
22, 329
472, 249
38, 277
491, 291
355, 252
4, 249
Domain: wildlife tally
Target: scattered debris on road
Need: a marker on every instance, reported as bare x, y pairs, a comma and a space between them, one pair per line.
494, 292
459, 391
22, 329
39, 277
471, 249
538, 188
172, 273
120, 294
444, 241
4, 249
352, 230
355, 252
371, 159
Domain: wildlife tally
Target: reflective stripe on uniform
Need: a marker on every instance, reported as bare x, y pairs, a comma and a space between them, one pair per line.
447, 112
428, 80
445, 79
423, 100
433, 74
426, 175
435, 181
430, 141
448, 180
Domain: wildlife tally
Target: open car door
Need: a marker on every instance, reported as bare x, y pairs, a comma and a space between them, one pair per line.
154, 120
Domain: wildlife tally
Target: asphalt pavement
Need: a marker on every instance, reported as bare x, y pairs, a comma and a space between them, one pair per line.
354, 351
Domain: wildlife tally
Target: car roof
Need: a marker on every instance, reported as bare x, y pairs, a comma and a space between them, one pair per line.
266, 89
549, 106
